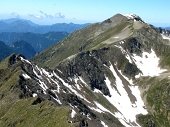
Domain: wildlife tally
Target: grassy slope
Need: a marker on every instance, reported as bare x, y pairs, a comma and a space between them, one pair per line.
23, 114
20, 112
158, 101
155, 90
81, 40
69, 46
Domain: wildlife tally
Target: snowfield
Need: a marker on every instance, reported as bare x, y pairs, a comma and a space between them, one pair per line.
127, 110
148, 64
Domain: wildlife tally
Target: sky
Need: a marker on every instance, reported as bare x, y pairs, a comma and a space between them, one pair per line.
47, 12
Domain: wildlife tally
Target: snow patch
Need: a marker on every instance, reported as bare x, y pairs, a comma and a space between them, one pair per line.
104, 125
115, 37
127, 110
148, 64
102, 108
60, 71
26, 76
46, 73
133, 16
96, 109
124, 52
59, 102
83, 81
43, 85
73, 113
24, 60
35, 72
97, 91
70, 88
165, 37
76, 83
34, 94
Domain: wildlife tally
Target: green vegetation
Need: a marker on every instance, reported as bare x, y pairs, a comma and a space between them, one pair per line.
108, 34
83, 40
17, 112
23, 114
158, 100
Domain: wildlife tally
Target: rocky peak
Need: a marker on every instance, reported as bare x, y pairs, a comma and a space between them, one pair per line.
165, 33
134, 17
115, 20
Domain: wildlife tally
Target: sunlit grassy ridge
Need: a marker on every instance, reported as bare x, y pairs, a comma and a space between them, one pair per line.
23, 114
18, 111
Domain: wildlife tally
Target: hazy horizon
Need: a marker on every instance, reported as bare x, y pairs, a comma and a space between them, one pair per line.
80, 12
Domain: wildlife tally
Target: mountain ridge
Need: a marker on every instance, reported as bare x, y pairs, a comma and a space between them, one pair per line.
28, 26
114, 73
38, 41
21, 47
11, 20
106, 26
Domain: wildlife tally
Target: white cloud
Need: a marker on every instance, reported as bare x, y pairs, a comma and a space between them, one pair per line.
15, 15
46, 15
36, 16
59, 15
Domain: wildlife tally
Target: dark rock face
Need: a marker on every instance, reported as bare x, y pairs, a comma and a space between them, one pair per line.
12, 60
131, 70
87, 67
163, 31
37, 101
133, 46
74, 101
30, 86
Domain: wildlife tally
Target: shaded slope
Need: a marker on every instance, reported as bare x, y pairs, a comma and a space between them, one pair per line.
4, 50
38, 41
24, 48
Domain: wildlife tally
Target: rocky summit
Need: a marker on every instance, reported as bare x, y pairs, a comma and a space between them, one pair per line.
109, 74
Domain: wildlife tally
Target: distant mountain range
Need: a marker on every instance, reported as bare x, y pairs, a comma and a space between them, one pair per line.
20, 25
167, 28
38, 41
16, 32
4, 50
19, 47
23, 47
17, 19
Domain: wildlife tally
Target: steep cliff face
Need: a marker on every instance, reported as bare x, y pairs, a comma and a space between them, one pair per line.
111, 74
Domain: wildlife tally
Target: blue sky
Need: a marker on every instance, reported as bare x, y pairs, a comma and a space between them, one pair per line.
47, 12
